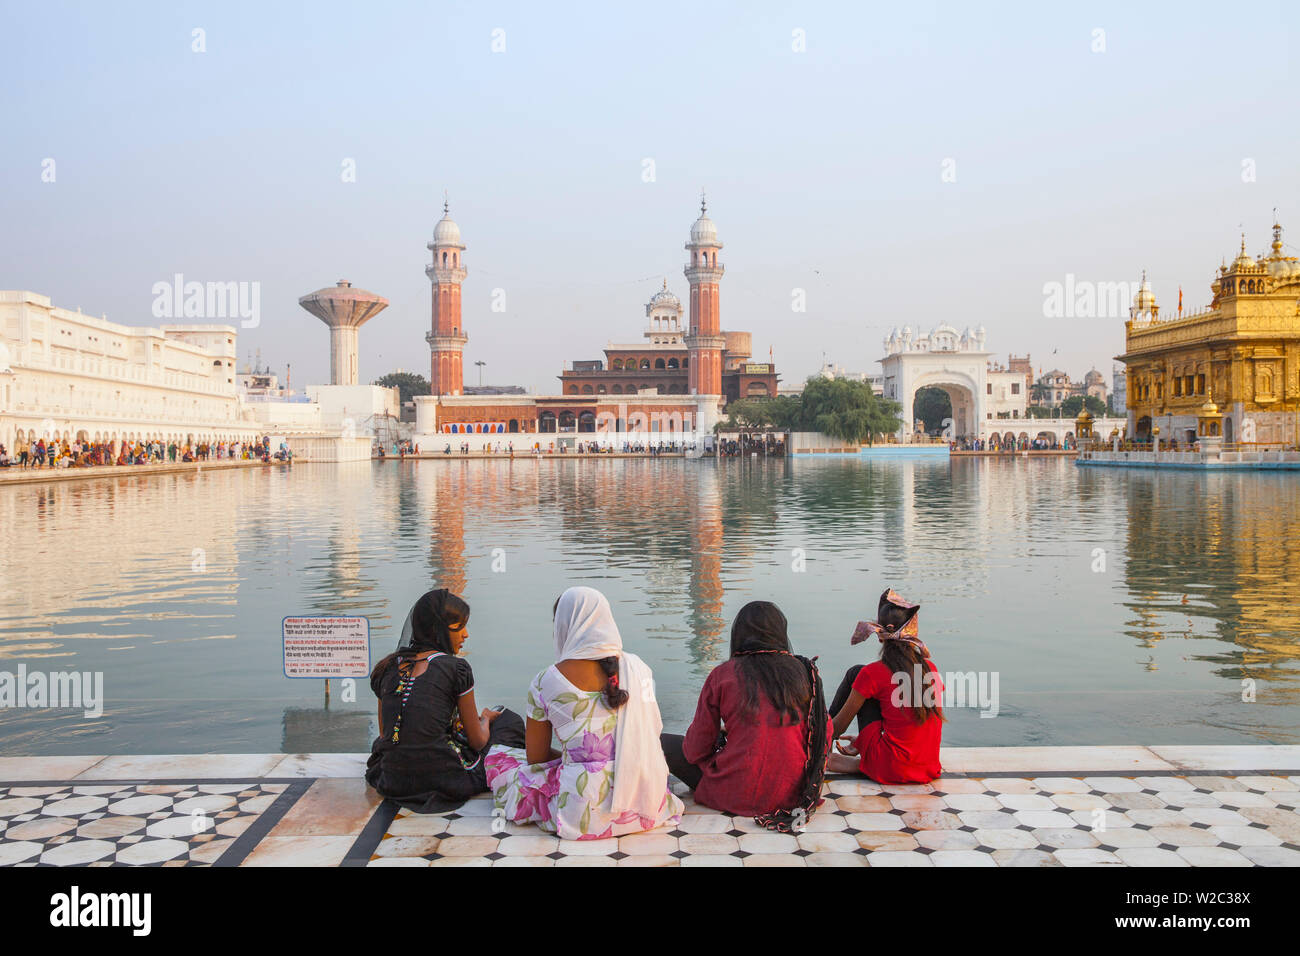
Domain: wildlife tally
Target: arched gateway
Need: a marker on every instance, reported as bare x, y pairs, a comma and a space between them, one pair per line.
944, 358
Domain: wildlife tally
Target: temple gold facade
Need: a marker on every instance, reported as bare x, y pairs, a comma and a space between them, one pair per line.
1243, 353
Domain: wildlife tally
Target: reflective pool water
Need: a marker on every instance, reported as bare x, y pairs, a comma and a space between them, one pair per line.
1111, 606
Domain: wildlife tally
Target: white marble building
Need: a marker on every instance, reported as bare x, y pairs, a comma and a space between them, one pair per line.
945, 358
70, 375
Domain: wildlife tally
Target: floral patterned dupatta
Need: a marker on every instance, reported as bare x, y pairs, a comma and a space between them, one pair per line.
585, 630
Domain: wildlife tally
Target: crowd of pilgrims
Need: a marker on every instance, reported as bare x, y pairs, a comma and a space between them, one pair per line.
653, 449
61, 453
588, 758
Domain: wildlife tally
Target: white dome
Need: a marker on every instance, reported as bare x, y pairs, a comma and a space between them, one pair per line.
666, 300
704, 231
446, 232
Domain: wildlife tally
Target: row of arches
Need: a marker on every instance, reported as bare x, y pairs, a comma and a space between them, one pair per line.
586, 421
664, 389
633, 364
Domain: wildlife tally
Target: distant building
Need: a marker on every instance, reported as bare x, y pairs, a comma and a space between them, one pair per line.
1242, 354
673, 382
945, 358
1056, 386
1006, 392
832, 371
495, 390
73, 376
1119, 393
661, 364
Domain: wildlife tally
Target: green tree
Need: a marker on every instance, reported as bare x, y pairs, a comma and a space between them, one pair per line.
781, 413
932, 405
1070, 407
408, 383
847, 410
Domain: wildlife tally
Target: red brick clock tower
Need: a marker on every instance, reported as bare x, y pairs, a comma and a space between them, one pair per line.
704, 340
447, 338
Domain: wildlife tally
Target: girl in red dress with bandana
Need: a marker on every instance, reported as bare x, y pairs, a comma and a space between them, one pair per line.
896, 700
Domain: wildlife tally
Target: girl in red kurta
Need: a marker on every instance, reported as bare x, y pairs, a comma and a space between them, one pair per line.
895, 700
761, 734
758, 743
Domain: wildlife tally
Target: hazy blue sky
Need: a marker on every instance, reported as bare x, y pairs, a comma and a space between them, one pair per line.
823, 168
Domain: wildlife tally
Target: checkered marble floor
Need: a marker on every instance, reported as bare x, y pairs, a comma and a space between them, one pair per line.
994, 806
136, 824
998, 820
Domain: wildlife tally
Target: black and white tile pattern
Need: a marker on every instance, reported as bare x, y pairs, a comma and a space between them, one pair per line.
134, 824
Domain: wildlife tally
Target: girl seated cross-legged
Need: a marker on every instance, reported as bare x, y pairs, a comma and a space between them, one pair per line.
895, 700
609, 777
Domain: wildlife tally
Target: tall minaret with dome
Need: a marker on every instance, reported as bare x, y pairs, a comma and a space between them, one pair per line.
447, 338
705, 340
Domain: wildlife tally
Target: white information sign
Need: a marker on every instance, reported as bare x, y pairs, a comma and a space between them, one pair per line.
323, 647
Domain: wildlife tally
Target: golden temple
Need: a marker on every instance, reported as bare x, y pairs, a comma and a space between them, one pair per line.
1243, 352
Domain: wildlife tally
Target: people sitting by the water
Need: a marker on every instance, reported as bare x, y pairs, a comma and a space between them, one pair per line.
609, 777
896, 701
428, 756
759, 740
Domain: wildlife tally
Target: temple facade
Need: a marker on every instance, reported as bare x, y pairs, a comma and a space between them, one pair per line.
675, 380
1242, 354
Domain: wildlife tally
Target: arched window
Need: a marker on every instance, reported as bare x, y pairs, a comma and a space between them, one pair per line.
617, 390
600, 389
546, 422
645, 363
573, 390
672, 363
659, 363
617, 365
587, 390
686, 363
444, 258
514, 425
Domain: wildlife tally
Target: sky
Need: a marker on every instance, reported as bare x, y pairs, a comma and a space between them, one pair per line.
900, 164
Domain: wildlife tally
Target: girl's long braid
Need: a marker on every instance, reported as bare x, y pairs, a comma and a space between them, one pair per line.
815, 745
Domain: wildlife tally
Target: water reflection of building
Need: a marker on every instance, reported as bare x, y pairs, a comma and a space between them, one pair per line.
446, 495
704, 523
1215, 548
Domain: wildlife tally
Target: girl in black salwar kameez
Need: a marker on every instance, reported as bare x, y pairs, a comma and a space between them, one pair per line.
428, 756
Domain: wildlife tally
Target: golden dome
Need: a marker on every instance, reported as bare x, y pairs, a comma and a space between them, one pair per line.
1242, 261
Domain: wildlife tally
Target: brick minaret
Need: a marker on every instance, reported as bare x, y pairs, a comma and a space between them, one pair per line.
705, 339
447, 338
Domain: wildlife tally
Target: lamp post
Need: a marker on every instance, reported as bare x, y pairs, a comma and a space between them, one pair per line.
480, 365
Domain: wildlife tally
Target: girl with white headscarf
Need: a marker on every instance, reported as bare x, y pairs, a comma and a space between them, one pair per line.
609, 777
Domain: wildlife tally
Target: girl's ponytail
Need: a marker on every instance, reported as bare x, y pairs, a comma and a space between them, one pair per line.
615, 696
